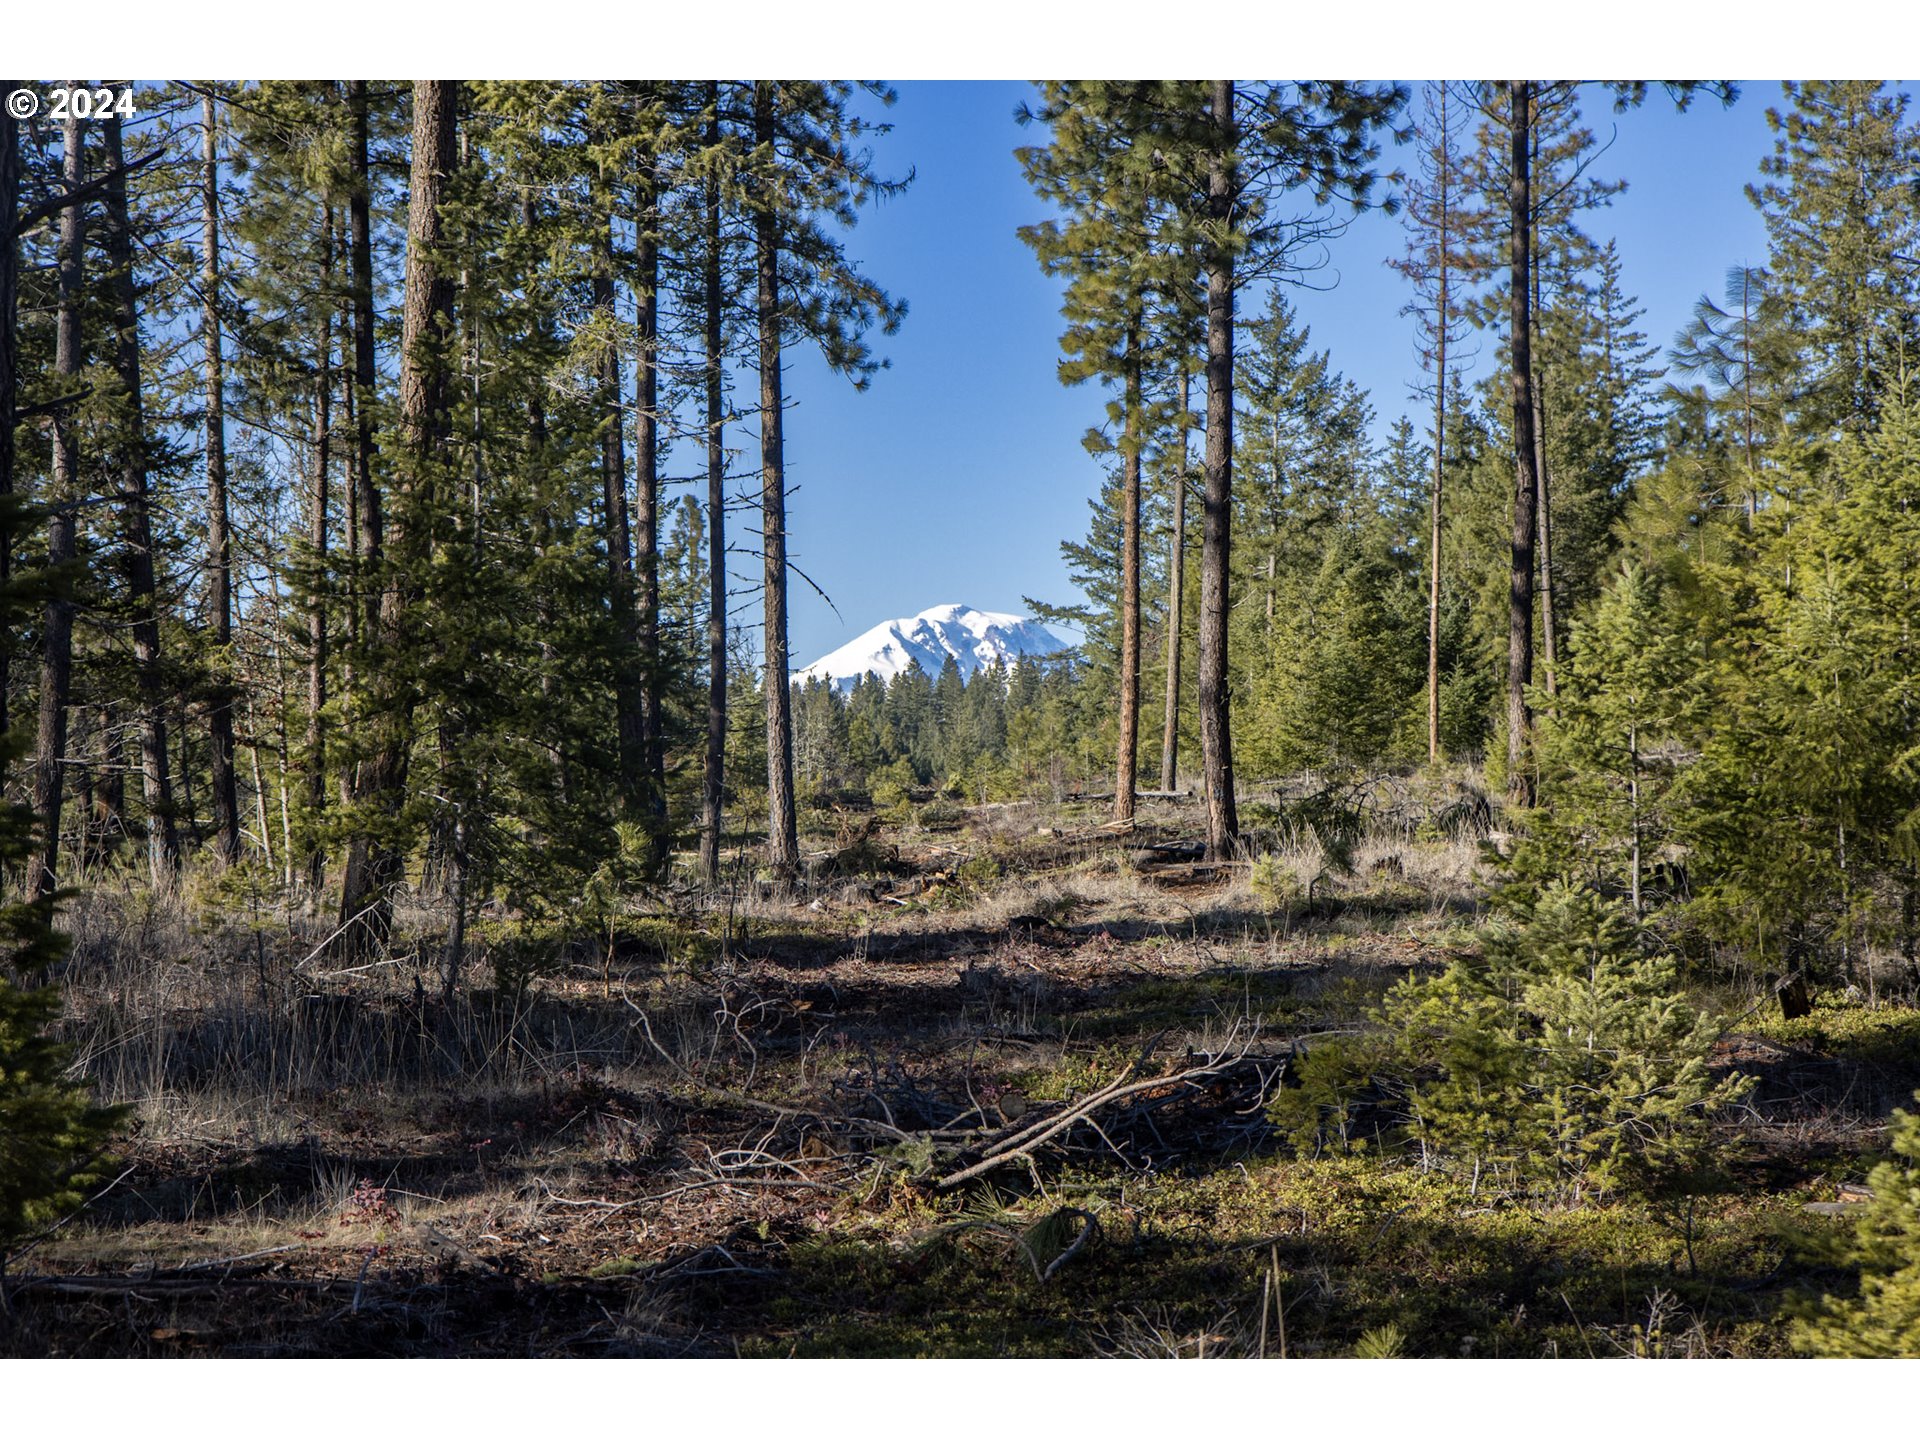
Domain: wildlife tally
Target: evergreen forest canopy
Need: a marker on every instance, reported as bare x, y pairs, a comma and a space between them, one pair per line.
383, 456
381, 465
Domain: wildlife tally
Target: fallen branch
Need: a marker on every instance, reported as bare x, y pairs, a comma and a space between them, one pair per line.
1023, 1142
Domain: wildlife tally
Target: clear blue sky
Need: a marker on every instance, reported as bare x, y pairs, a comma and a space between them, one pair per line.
957, 475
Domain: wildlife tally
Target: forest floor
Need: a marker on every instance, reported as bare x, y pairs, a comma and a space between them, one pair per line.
938, 1106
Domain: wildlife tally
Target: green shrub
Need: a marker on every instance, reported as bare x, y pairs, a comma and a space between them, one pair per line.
942, 813
893, 789
51, 1132
1884, 1319
979, 874
1274, 883
1561, 1057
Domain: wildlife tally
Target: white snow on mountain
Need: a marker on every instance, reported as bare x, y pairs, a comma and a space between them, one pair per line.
974, 638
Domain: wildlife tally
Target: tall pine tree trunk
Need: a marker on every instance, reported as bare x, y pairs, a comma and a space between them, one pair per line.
1127, 760
426, 309
9, 373
1433, 570
63, 498
646, 513
470, 787
1526, 483
1176, 575
1443, 318
226, 803
365, 521
316, 741
1543, 519
783, 841
1216, 738
163, 842
627, 684
714, 778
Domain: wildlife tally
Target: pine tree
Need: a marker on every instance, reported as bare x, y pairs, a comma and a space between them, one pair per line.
367, 891
226, 804
1745, 349
1438, 220
1842, 229
1564, 1055
63, 500
1229, 154
1883, 1320
1118, 275
52, 1132
1613, 747
134, 505
807, 166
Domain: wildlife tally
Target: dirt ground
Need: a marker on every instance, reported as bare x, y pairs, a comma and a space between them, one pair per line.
924, 1111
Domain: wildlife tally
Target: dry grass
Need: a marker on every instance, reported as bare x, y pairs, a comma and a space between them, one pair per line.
666, 1154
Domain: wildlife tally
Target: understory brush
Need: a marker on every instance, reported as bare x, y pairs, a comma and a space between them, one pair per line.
1560, 1059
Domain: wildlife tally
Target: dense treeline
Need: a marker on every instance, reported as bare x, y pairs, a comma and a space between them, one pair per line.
352, 415
352, 411
1660, 593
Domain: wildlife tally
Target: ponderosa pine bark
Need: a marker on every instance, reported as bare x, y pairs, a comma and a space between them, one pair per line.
1176, 575
9, 367
629, 746
783, 840
1526, 482
62, 502
714, 777
1216, 736
226, 803
1127, 759
317, 508
425, 325
163, 841
1433, 568
646, 511
1442, 328
366, 524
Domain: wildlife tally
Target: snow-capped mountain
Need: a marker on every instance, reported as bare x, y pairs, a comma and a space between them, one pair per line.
973, 637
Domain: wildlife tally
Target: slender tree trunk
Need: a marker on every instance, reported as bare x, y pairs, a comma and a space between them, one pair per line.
783, 841
1633, 792
366, 523
628, 684
1433, 569
163, 843
1746, 389
316, 741
1127, 760
1216, 737
1526, 485
1176, 601
646, 514
350, 609
470, 788
188, 815
426, 309
1549, 635
9, 375
113, 784
713, 788
1443, 317
56, 665
226, 803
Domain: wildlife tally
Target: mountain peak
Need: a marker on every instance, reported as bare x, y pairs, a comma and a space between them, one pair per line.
974, 638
